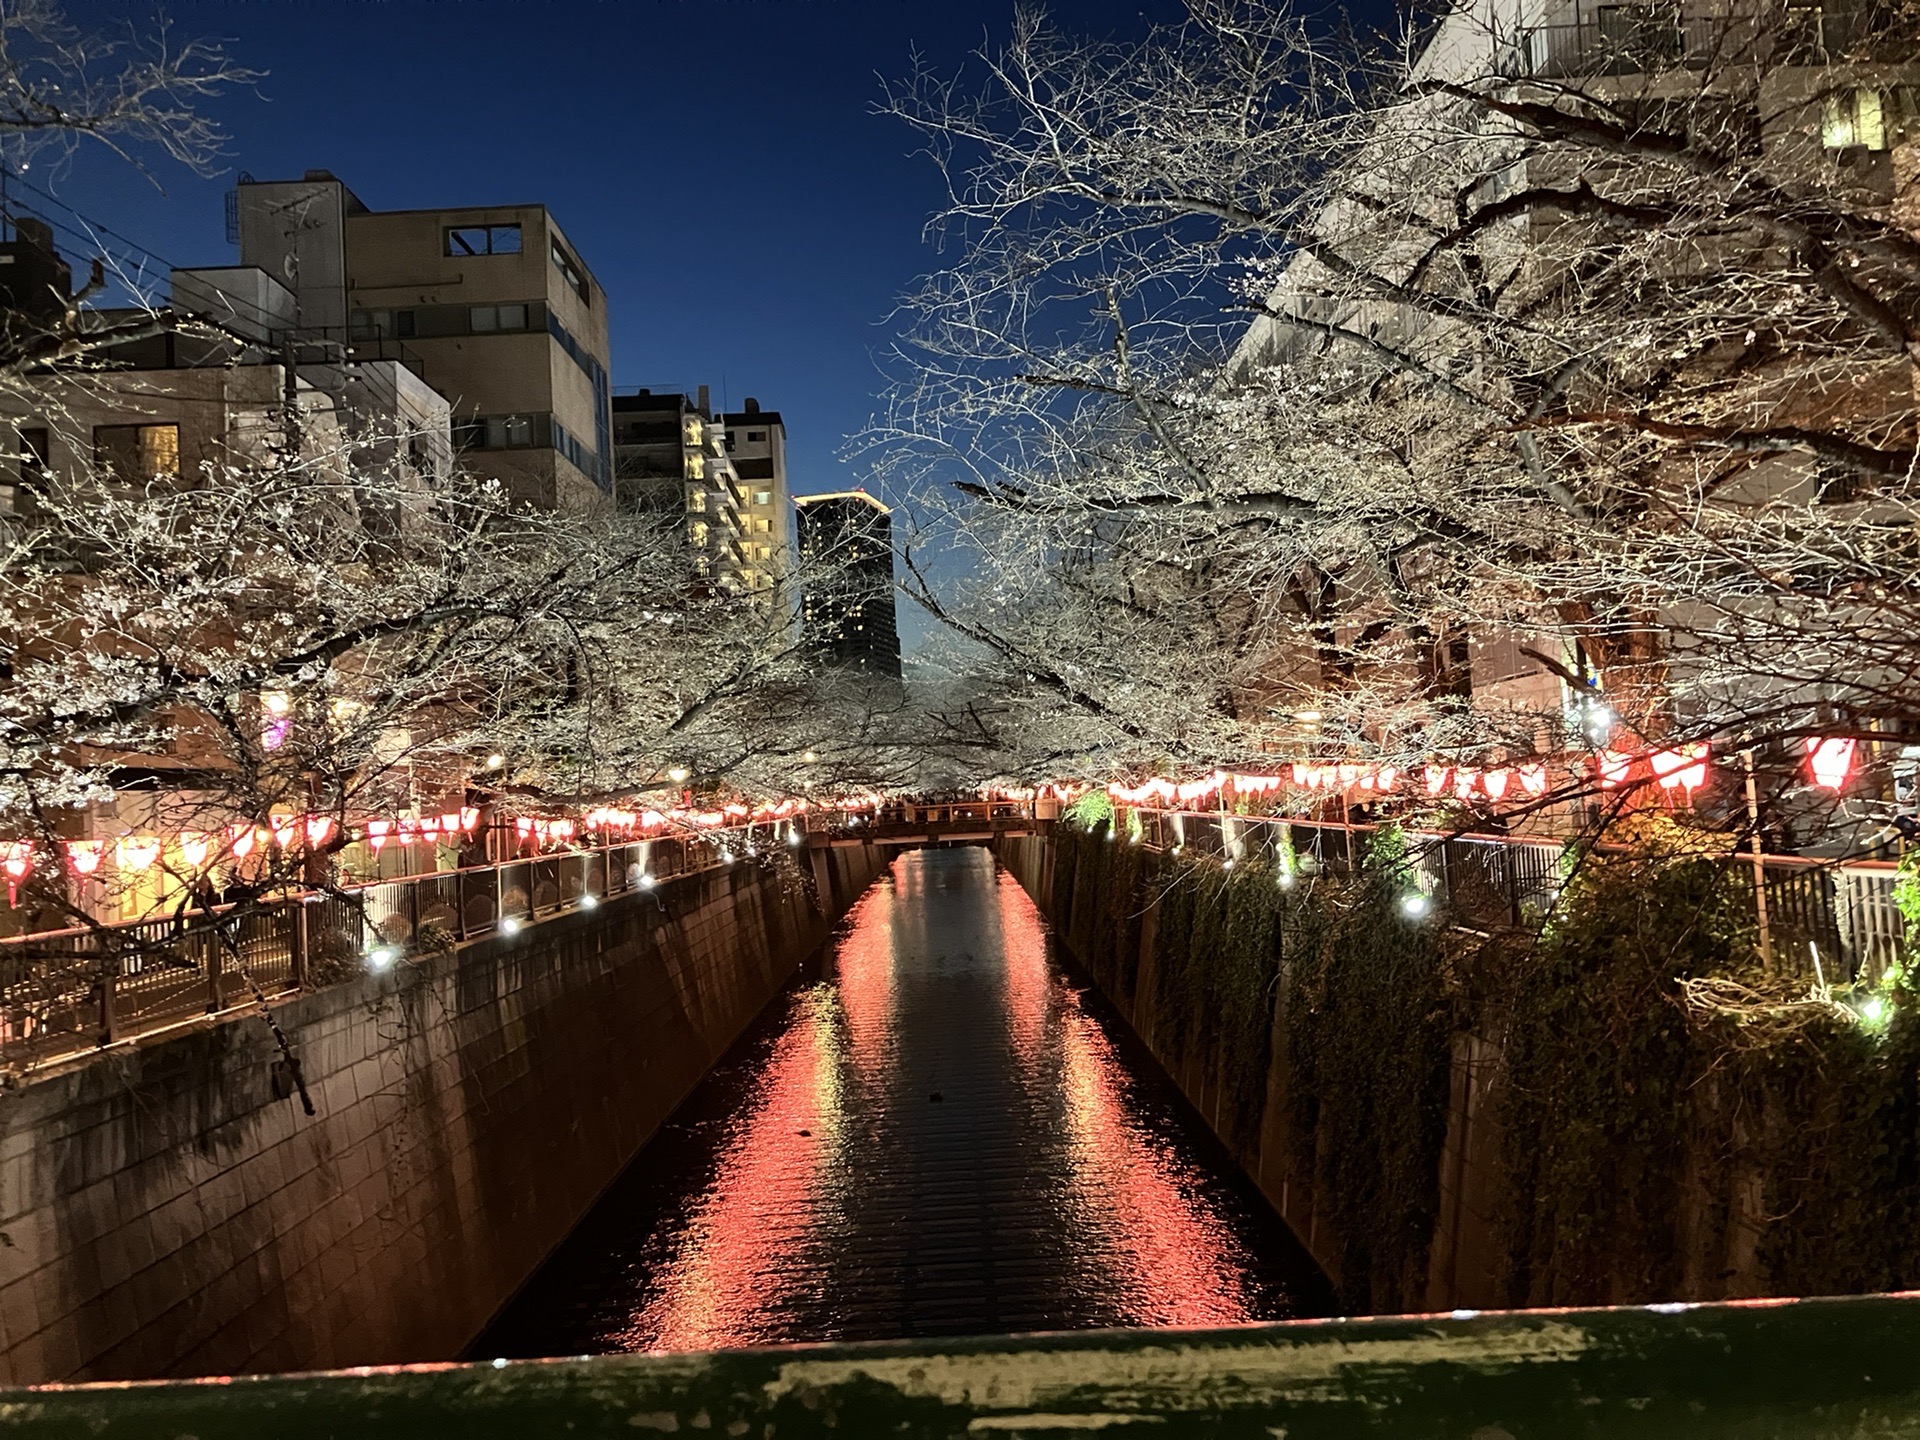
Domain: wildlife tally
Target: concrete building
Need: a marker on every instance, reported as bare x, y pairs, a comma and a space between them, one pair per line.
847, 604
499, 311
218, 378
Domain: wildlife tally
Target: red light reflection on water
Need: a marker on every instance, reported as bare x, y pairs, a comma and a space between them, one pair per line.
1171, 1260
744, 1254
863, 961
1023, 943
754, 1262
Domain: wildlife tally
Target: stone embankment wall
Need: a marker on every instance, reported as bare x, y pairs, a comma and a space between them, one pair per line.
1457, 1263
166, 1212
1456, 1119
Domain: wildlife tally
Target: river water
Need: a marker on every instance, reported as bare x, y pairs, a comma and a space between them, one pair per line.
936, 1131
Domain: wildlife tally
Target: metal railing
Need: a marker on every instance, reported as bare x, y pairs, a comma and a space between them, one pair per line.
66, 992
1643, 39
1826, 920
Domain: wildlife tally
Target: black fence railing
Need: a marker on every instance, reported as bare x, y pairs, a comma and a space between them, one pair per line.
1835, 922
69, 991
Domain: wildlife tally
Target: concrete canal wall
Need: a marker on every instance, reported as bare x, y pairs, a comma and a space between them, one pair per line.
1461, 1267
169, 1210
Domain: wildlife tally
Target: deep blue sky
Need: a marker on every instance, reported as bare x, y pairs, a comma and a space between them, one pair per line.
716, 161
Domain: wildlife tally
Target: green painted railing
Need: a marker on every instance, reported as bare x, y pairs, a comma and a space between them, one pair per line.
1812, 1368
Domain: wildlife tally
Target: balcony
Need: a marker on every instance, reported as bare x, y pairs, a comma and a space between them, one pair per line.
1647, 39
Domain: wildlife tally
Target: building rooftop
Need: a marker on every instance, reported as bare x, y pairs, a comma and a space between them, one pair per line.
844, 495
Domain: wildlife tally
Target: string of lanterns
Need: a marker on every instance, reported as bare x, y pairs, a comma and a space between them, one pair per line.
134, 855
1682, 768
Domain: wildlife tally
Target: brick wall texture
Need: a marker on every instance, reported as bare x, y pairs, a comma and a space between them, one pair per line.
165, 1214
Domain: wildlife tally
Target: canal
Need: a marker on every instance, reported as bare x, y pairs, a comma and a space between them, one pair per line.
936, 1131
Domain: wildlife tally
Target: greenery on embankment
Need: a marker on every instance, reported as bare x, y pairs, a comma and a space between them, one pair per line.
1667, 1120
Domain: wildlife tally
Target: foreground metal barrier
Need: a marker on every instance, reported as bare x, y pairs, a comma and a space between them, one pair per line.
67, 992
1835, 921
1811, 1369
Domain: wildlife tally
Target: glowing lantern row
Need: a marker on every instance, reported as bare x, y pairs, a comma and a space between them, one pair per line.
406, 830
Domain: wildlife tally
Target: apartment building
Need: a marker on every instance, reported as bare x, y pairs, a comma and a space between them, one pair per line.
722, 477
756, 441
847, 613
494, 304
216, 378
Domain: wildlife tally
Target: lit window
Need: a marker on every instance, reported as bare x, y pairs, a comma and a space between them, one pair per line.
1869, 118
696, 467
763, 497
137, 452
699, 533
483, 240
696, 500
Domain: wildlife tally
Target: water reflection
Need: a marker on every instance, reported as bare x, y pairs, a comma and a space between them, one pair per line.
938, 1136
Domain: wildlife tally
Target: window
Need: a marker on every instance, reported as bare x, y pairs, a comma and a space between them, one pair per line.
696, 467
483, 240
137, 452
569, 270
763, 525
35, 449
381, 325
756, 437
699, 533
763, 497
487, 319
1868, 117
697, 500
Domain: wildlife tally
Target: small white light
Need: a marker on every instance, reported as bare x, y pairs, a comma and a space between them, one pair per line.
381, 956
500, 1362
794, 837
678, 774
589, 900
494, 762
510, 926
1286, 879
1229, 863
727, 855
1415, 905
1178, 848
646, 882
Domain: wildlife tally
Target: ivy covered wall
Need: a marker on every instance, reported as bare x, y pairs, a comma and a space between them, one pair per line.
1648, 1114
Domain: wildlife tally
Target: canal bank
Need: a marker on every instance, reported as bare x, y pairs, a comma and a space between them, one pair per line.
169, 1210
937, 1132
